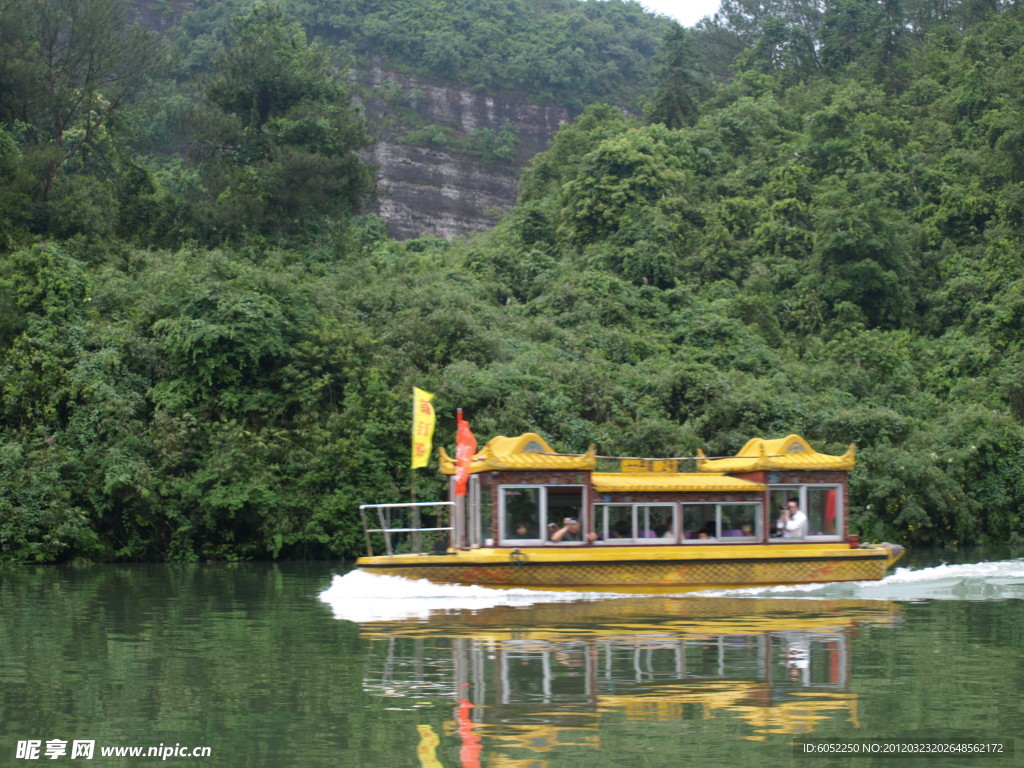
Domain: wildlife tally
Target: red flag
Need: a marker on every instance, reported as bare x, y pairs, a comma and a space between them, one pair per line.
465, 447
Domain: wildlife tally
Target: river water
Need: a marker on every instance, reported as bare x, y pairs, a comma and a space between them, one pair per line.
305, 664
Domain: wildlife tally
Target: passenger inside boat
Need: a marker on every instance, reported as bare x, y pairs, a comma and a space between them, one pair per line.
792, 520
523, 532
620, 530
570, 530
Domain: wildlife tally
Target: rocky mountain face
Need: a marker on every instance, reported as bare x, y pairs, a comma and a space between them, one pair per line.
447, 188
432, 176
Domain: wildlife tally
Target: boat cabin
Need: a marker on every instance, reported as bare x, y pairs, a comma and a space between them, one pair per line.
521, 493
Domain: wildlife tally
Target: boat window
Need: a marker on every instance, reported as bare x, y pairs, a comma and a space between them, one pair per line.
521, 513
822, 511
636, 523
564, 501
700, 522
528, 512
616, 522
739, 521
823, 505
484, 501
735, 522
656, 521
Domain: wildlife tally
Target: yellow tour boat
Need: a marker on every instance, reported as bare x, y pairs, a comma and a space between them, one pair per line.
776, 513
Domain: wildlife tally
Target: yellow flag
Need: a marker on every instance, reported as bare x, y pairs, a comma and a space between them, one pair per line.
422, 427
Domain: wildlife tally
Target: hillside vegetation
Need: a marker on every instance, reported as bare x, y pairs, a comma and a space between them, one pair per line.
206, 352
569, 52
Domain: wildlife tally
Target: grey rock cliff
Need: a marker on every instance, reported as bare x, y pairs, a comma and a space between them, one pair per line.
440, 190
428, 187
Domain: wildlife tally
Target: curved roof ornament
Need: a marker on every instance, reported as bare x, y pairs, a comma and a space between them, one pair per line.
527, 451
790, 452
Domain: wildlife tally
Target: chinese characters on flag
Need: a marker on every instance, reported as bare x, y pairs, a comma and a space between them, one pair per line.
422, 427
465, 447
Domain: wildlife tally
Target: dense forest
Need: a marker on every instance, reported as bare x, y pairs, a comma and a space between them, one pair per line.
569, 51
809, 220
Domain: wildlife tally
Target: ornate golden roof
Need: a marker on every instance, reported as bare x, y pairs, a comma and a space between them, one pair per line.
661, 482
528, 451
792, 452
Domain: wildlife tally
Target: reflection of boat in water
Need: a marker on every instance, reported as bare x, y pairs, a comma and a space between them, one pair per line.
630, 616
526, 680
534, 518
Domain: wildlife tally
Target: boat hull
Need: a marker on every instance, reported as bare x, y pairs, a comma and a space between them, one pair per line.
679, 568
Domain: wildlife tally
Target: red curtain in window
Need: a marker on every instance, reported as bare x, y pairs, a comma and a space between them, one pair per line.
830, 511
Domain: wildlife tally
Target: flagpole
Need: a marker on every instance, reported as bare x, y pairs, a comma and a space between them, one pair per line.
459, 523
412, 470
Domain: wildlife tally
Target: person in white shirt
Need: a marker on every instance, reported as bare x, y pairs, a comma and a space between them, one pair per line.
793, 522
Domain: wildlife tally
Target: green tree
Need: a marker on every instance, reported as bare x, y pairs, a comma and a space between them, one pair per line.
858, 250
872, 35
14, 192
683, 81
849, 30
781, 36
641, 167
74, 473
72, 69
549, 170
277, 137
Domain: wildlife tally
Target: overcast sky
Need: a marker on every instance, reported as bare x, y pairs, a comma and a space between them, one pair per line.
686, 12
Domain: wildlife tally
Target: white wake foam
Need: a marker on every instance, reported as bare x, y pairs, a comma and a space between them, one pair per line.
361, 597
1002, 580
